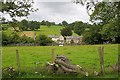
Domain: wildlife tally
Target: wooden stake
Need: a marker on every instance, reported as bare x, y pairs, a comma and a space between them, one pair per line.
52, 55
18, 60
101, 54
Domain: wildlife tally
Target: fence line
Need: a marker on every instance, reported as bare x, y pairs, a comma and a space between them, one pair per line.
26, 44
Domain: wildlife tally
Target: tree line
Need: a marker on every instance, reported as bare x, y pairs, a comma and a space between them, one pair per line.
105, 26
15, 38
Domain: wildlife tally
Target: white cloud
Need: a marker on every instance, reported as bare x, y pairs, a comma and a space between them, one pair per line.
59, 11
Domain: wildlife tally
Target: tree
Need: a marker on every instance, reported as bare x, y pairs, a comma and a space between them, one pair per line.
17, 8
59, 24
107, 17
79, 28
111, 32
48, 23
93, 36
14, 24
33, 25
43, 22
71, 25
53, 23
64, 23
14, 38
23, 25
43, 40
66, 31
5, 39
25, 39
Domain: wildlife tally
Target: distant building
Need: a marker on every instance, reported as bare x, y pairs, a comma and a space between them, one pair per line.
57, 39
76, 39
69, 39
54, 38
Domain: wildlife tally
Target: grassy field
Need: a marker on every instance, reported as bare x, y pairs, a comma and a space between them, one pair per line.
53, 30
44, 30
85, 55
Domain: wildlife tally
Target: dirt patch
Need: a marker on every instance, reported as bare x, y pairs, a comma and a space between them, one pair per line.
28, 34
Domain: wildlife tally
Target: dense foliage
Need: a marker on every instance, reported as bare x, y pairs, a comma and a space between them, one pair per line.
17, 8
47, 23
43, 40
66, 31
106, 18
64, 23
79, 27
14, 38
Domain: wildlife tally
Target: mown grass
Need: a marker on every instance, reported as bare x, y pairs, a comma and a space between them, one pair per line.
44, 30
85, 55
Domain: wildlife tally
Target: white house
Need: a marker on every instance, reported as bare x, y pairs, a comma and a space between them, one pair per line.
60, 39
54, 38
57, 39
76, 39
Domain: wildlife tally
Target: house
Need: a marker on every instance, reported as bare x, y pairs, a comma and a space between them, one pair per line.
54, 38
57, 39
61, 40
76, 39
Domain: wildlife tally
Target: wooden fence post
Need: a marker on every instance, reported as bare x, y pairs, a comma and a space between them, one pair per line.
18, 60
101, 55
52, 55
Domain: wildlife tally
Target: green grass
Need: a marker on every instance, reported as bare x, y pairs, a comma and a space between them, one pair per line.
86, 56
44, 30
53, 30
8, 32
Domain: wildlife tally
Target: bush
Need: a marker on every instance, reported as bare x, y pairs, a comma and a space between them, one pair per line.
5, 39
25, 39
44, 40
15, 39
66, 31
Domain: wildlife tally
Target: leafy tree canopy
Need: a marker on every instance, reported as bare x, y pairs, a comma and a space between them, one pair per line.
79, 27
66, 31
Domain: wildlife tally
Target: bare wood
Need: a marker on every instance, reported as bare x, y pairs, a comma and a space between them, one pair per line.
68, 69
18, 60
101, 55
69, 66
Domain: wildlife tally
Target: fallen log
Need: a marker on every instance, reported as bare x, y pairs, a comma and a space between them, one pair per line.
63, 65
69, 66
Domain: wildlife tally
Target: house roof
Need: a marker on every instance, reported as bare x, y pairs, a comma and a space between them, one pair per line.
53, 36
74, 37
68, 37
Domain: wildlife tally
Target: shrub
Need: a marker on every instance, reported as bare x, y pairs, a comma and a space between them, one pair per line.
44, 40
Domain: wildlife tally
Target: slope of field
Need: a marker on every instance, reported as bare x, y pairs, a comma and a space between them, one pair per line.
53, 30
86, 56
44, 30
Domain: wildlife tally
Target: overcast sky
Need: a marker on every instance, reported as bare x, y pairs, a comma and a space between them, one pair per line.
59, 11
